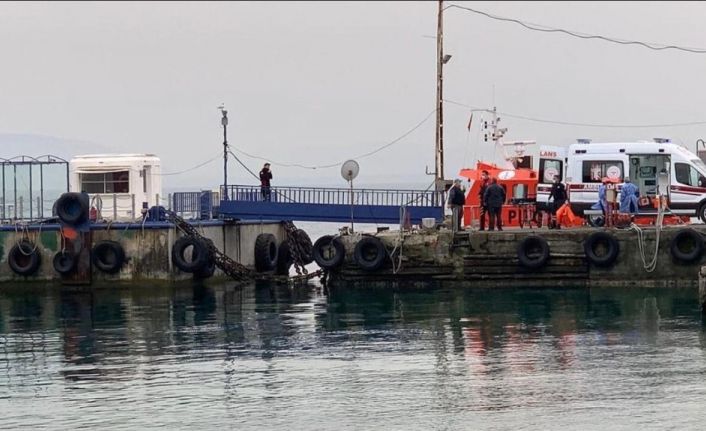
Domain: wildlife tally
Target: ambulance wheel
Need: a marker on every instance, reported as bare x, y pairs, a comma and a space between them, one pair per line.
595, 220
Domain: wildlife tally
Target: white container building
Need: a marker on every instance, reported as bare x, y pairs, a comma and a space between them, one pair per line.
119, 184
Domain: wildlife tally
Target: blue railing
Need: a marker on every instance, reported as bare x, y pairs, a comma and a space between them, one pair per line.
336, 196
202, 205
330, 204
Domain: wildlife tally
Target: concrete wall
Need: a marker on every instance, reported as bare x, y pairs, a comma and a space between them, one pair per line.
148, 250
489, 259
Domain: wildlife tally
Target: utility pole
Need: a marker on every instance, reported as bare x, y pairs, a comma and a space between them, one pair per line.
439, 153
224, 122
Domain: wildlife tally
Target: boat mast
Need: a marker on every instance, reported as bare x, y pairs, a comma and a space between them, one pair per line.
439, 153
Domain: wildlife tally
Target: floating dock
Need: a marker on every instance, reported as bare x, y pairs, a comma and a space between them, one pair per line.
147, 248
580, 257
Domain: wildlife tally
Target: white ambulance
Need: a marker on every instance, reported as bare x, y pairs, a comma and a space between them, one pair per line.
650, 165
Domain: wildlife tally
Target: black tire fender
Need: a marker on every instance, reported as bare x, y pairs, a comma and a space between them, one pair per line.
533, 252
24, 258
72, 208
683, 237
265, 252
209, 268
199, 254
370, 253
284, 259
612, 245
64, 262
322, 248
108, 256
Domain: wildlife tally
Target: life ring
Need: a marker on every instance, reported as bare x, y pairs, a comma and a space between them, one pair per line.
685, 238
265, 252
199, 254
24, 258
64, 262
370, 253
108, 256
72, 208
533, 252
612, 248
284, 259
329, 252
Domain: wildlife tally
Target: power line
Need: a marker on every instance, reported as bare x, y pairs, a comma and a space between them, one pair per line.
333, 165
569, 123
194, 167
243, 165
546, 29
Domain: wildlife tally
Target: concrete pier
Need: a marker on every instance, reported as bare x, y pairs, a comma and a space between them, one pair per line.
490, 259
147, 247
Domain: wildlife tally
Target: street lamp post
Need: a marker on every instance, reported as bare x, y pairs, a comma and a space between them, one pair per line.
224, 122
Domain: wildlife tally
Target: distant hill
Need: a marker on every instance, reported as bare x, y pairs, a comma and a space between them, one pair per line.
12, 144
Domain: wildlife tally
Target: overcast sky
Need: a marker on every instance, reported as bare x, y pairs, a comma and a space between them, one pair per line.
318, 83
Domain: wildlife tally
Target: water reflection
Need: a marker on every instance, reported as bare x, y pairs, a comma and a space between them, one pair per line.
452, 349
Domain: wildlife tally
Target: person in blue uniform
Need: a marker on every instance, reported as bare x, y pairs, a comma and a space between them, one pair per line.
628, 197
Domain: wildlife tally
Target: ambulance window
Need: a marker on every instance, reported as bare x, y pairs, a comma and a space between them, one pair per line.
594, 170
549, 168
688, 175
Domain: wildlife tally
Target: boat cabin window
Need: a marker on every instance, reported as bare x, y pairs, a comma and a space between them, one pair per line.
106, 182
548, 168
594, 170
688, 175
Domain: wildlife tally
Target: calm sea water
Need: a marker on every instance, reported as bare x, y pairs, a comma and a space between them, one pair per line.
267, 357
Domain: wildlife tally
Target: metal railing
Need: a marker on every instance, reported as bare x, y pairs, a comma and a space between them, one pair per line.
202, 205
338, 196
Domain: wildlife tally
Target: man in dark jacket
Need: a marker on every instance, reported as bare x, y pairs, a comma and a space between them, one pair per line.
484, 181
265, 177
494, 198
558, 193
456, 200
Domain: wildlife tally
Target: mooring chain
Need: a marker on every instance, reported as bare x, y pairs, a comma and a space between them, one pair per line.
222, 261
297, 248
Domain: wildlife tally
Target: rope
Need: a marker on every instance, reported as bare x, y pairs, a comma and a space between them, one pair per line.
652, 265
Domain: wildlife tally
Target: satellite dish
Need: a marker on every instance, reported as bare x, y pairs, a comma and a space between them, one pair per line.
349, 170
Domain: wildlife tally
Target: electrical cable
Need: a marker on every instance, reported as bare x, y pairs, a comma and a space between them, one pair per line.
194, 167
546, 29
337, 164
567, 123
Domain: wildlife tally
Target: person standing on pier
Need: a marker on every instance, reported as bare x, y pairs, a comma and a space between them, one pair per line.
558, 194
494, 198
456, 200
265, 177
484, 181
